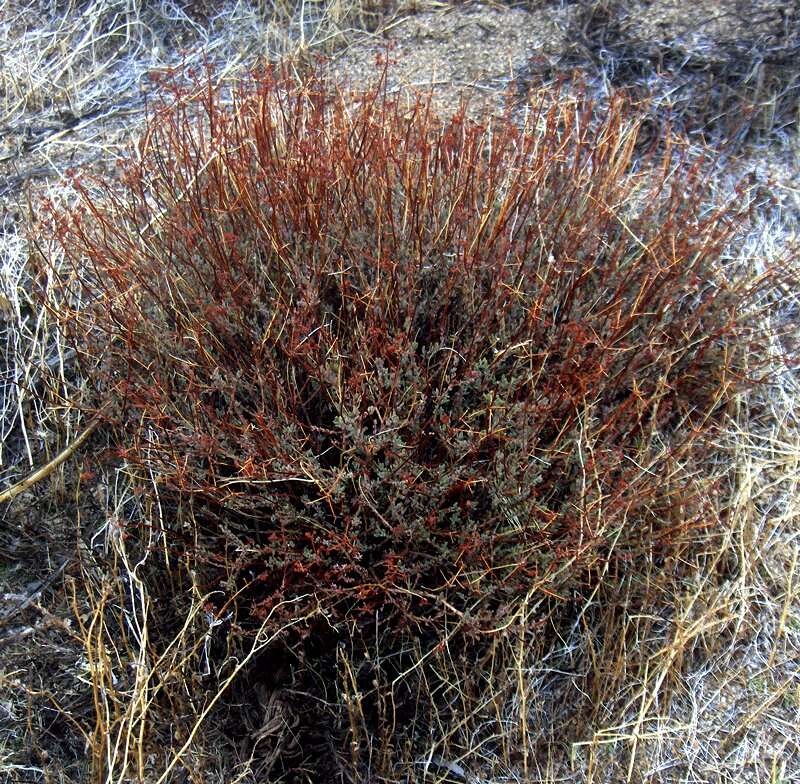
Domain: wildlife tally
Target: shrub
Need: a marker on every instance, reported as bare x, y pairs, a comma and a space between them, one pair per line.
375, 361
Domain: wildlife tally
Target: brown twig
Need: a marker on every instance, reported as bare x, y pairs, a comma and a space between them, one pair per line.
30, 480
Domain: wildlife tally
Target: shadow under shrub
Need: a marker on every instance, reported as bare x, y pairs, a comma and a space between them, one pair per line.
377, 362
728, 74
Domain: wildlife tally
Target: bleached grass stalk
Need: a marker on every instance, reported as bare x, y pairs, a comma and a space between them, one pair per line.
33, 368
117, 639
693, 705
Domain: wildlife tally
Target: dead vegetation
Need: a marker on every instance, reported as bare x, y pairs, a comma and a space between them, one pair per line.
719, 70
138, 674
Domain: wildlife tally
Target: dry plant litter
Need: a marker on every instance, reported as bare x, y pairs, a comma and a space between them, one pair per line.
702, 687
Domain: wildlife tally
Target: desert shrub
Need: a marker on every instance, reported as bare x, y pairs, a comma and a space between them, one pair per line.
373, 361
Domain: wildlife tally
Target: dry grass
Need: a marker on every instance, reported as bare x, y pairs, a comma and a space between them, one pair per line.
134, 679
717, 68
